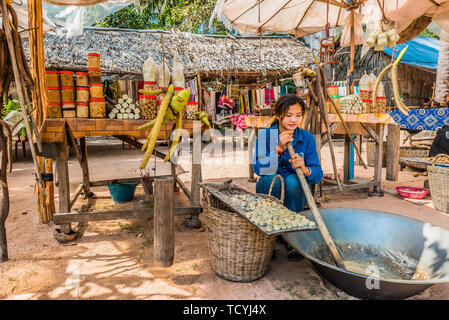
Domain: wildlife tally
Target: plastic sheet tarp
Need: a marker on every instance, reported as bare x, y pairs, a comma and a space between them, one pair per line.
69, 20
422, 52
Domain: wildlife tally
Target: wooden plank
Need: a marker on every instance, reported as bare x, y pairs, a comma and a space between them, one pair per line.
72, 217
393, 148
350, 187
164, 240
63, 181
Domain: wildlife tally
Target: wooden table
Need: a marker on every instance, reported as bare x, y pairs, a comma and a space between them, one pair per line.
365, 124
57, 134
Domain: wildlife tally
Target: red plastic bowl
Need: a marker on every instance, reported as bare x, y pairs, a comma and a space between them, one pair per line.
412, 193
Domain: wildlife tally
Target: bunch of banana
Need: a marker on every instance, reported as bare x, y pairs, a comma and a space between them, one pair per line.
307, 72
170, 109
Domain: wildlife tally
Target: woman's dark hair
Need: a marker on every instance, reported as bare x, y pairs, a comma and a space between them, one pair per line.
283, 103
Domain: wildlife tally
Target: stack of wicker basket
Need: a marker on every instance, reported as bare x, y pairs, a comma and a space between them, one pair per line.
439, 182
240, 251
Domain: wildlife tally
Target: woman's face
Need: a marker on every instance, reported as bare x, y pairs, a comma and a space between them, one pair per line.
292, 118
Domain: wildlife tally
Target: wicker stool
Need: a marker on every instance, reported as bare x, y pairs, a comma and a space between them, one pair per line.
439, 184
240, 251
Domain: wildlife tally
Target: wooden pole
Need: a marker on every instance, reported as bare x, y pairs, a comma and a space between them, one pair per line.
393, 148
63, 178
196, 170
4, 208
316, 213
164, 236
37, 60
379, 156
85, 167
19, 84
43, 218
50, 190
323, 111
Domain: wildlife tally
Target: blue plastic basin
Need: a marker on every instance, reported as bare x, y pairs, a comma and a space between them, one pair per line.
122, 192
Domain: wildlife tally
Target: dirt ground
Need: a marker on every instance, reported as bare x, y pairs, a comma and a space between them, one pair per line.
113, 259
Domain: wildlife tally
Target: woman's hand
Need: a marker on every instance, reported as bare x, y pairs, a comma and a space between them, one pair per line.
284, 138
297, 162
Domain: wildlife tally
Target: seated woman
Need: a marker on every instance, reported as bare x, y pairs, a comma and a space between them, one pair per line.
271, 156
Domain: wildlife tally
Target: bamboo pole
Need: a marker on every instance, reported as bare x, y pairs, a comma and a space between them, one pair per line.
351, 69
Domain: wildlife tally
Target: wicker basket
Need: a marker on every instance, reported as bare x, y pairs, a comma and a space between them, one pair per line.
240, 251
439, 184
371, 154
417, 152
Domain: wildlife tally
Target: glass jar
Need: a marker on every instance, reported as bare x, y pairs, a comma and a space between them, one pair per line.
96, 90
68, 110
381, 104
52, 79
82, 94
149, 85
54, 110
97, 108
66, 78
94, 75
82, 110
53, 94
93, 60
68, 94
82, 79
148, 107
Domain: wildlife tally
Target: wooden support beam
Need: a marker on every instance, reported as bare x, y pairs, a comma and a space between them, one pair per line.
379, 156
72, 217
50, 190
196, 164
85, 167
393, 149
73, 143
63, 181
164, 237
370, 131
76, 195
139, 145
251, 149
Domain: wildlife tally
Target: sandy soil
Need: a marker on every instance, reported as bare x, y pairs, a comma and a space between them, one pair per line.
113, 259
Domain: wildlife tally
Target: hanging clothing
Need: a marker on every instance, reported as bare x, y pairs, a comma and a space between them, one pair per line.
283, 90
269, 96
277, 90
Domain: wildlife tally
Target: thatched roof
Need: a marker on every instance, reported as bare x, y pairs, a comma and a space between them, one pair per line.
125, 51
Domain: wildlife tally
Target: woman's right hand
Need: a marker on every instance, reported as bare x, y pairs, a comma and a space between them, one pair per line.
284, 138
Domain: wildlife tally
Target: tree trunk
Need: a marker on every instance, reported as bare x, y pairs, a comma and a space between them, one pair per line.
443, 70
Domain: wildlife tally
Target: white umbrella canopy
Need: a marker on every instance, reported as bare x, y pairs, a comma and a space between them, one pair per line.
304, 17
298, 17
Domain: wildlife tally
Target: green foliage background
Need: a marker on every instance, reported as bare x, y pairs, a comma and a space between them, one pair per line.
180, 15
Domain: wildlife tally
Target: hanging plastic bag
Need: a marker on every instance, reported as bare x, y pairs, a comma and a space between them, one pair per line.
372, 81
163, 76
364, 82
149, 69
178, 74
358, 31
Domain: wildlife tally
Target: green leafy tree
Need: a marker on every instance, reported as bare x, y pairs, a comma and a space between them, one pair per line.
190, 16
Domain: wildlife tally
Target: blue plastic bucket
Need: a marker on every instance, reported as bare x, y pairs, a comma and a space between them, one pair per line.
122, 192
